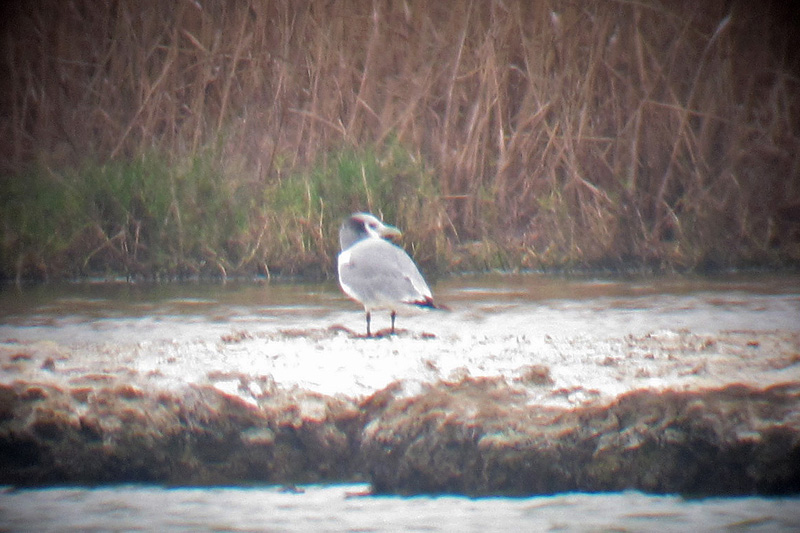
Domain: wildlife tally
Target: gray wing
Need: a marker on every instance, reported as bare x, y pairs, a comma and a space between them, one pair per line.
380, 274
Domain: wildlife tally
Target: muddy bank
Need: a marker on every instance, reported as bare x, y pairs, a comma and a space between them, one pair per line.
102, 430
477, 436
526, 387
480, 437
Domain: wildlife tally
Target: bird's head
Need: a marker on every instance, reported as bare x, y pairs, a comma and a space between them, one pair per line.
362, 226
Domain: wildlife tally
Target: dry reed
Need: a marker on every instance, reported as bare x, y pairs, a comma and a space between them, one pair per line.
562, 134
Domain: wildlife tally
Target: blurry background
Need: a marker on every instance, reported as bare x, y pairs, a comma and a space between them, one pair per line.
202, 138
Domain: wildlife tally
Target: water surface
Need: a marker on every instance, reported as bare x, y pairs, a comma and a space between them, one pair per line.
342, 508
595, 338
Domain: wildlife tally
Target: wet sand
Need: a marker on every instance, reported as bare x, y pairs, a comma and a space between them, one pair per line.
691, 392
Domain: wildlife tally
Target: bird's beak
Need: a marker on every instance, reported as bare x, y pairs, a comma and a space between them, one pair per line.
390, 231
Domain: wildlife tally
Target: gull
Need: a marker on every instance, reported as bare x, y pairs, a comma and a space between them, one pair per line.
377, 273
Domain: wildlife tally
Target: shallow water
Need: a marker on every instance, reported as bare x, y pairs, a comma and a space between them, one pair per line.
77, 312
342, 508
498, 326
596, 337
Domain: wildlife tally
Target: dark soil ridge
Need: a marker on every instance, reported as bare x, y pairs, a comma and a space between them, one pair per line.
475, 436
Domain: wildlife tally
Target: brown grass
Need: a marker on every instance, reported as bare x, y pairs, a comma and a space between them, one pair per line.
561, 133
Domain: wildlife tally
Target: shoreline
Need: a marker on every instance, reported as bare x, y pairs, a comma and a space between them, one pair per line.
461, 432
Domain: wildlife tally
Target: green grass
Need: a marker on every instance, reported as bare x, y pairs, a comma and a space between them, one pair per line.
304, 210
148, 218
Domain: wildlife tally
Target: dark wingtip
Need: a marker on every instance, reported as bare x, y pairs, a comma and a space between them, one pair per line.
428, 303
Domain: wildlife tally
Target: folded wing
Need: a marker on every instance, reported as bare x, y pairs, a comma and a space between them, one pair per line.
380, 274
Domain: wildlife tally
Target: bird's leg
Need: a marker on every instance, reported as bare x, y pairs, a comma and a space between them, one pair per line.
368, 318
394, 314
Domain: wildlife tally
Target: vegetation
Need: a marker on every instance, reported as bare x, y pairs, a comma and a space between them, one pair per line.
165, 139
150, 218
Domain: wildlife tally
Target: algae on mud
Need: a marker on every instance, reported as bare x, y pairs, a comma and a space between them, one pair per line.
111, 433
481, 435
477, 437
529, 385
